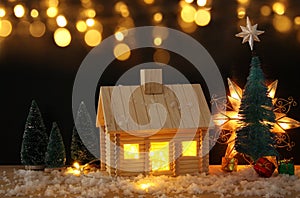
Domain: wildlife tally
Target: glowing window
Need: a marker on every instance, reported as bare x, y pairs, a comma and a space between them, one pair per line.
131, 151
189, 148
159, 156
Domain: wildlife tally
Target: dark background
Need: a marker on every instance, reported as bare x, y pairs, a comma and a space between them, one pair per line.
35, 68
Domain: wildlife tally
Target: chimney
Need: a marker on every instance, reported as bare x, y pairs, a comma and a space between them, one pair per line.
151, 81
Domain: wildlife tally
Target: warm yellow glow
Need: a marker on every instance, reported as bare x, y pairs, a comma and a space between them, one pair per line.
62, 37
282, 24
202, 17
76, 165
149, 1
34, 13
188, 13
131, 151
19, 11
2, 12
265, 10
189, 1
157, 17
187, 27
37, 29
161, 56
145, 186
201, 2
53, 3
297, 20
119, 36
90, 22
81, 26
159, 156
5, 28
288, 123
243, 2
278, 8
92, 38
189, 148
61, 21
122, 51
91, 13
241, 12
52, 12
157, 41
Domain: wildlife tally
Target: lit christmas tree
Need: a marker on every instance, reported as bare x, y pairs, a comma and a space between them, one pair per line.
55, 155
35, 138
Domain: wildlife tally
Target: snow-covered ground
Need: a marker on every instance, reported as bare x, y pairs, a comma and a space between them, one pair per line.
97, 184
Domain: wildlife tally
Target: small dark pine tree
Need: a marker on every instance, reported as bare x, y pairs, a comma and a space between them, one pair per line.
256, 111
35, 138
56, 154
84, 146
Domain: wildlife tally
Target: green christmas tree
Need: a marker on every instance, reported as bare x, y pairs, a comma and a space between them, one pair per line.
256, 111
84, 146
35, 138
56, 154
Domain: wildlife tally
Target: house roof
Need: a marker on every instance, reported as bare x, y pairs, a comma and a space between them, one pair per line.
128, 108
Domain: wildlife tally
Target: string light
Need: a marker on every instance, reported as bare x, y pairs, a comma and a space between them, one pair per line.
282, 24
297, 20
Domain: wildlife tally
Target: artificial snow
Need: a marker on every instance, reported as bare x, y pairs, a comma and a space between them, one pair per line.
97, 184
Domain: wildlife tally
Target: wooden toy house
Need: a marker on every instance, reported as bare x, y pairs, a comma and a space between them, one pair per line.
153, 128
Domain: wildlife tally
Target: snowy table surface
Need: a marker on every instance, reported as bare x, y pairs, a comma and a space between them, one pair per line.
17, 182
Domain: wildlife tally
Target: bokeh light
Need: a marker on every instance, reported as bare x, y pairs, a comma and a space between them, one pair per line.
81, 26
34, 13
188, 13
201, 2
265, 10
37, 29
297, 20
149, 1
61, 21
157, 17
19, 11
161, 56
122, 51
282, 24
62, 37
5, 28
92, 38
119, 36
202, 17
241, 12
278, 8
90, 22
91, 13
157, 41
52, 12
2, 12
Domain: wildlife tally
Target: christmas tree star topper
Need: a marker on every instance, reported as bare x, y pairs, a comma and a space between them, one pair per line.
250, 33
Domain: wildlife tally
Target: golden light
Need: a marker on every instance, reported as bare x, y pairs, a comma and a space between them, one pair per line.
91, 13
5, 28
52, 12
81, 26
157, 41
241, 12
37, 29
61, 21
161, 56
131, 151
189, 1
201, 2
282, 24
122, 51
159, 156
157, 17
34, 13
188, 13
118, 6
187, 27
297, 20
265, 10
189, 148
119, 36
145, 186
278, 8
62, 37
2, 12
19, 11
202, 17
90, 22
92, 38
243, 2
53, 3
149, 1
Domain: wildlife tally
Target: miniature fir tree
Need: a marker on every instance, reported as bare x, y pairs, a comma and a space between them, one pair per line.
56, 154
35, 138
256, 111
84, 145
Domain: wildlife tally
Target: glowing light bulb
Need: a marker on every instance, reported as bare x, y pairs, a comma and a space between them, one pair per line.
61, 21
157, 41
62, 37
241, 12
201, 2
282, 24
90, 22
2, 12
189, 1
19, 11
119, 36
91, 13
